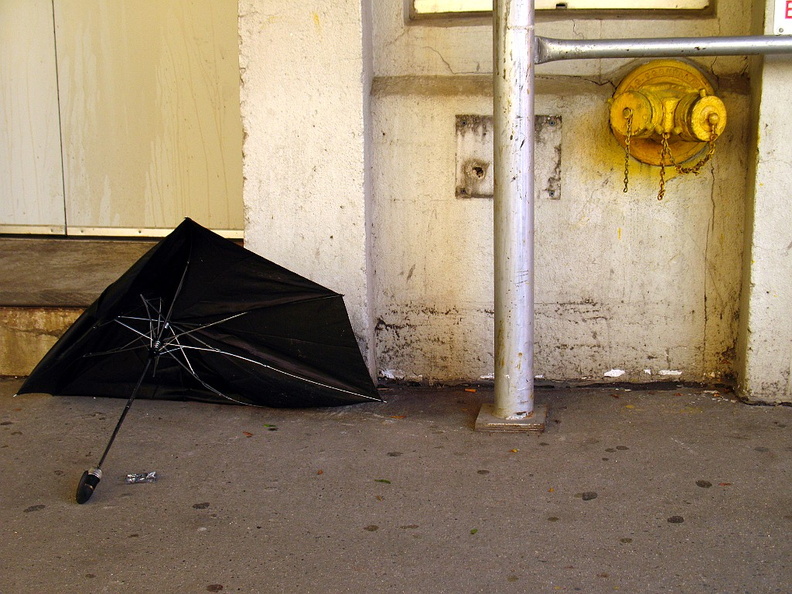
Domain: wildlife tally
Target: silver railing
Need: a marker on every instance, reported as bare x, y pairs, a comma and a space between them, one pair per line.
547, 49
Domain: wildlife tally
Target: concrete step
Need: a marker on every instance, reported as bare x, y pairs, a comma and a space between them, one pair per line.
46, 283
27, 333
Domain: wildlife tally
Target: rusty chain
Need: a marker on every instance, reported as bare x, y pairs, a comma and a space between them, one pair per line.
628, 115
695, 169
663, 151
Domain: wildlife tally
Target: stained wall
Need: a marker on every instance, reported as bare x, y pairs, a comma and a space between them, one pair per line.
350, 176
627, 286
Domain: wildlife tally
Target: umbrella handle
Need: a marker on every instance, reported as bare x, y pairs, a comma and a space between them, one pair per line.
87, 485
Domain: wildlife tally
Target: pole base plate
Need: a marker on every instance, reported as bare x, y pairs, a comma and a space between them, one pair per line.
486, 421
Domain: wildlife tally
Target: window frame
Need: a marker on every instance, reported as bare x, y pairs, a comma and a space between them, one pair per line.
580, 8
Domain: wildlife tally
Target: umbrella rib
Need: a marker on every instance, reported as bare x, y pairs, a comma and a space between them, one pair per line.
205, 385
198, 328
211, 349
130, 346
140, 333
149, 306
134, 318
124, 349
117, 319
166, 350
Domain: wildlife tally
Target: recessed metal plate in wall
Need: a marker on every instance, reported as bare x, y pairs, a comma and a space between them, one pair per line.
474, 150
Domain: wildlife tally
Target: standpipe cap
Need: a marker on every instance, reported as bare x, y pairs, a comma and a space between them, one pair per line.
646, 114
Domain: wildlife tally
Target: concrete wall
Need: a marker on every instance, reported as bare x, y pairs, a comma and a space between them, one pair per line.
305, 100
626, 286
351, 180
765, 345
28, 333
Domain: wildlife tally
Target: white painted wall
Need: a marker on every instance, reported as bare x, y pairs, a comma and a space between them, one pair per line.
305, 96
624, 282
432, 48
765, 346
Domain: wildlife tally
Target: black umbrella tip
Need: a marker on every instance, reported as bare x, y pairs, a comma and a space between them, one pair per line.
88, 482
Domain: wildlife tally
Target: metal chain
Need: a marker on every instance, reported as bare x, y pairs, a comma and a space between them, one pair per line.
666, 150
628, 115
703, 161
663, 151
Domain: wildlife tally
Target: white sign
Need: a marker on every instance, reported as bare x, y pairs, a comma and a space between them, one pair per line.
782, 19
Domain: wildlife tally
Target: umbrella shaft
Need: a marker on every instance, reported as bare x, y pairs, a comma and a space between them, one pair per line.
125, 411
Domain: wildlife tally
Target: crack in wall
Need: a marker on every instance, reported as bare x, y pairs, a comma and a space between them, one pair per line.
442, 59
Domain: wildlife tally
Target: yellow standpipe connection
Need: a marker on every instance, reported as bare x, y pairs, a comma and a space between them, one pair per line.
666, 97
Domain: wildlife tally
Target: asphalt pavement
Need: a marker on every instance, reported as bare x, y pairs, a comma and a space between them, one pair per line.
677, 490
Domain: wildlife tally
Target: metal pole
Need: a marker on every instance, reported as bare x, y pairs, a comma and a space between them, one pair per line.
548, 49
513, 165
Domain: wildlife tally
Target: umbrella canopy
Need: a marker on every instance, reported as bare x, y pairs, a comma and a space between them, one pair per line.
209, 320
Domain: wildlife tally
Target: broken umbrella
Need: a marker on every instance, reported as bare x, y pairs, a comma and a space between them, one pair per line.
202, 318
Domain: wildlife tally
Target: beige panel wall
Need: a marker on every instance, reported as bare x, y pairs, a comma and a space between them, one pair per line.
150, 108
31, 182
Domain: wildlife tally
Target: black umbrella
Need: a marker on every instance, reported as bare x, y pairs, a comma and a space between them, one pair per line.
201, 318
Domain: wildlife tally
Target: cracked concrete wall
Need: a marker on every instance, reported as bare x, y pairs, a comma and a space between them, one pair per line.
627, 287
765, 345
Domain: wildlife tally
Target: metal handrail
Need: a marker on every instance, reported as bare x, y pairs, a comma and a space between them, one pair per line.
548, 49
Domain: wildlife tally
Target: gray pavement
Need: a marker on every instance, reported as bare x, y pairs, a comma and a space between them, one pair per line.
634, 491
